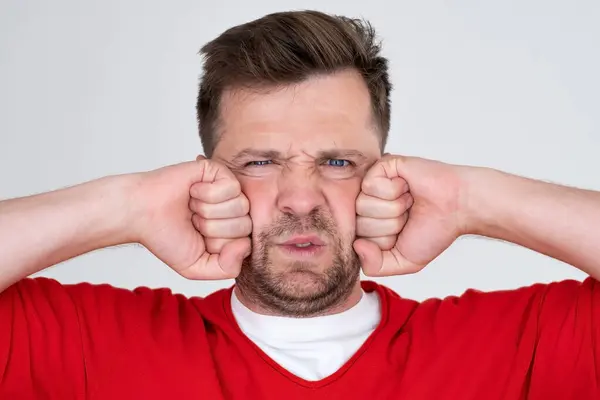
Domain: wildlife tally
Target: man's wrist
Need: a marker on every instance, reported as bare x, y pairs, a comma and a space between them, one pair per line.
482, 196
119, 210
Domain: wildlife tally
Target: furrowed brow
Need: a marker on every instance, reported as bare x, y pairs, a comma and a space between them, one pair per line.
342, 154
256, 153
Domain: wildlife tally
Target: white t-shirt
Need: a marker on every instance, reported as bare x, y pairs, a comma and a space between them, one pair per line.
311, 348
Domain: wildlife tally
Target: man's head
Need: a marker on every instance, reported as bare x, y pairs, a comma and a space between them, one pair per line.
297, 105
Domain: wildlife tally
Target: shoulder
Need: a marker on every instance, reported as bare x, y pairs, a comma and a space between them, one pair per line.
101, 299
499, 306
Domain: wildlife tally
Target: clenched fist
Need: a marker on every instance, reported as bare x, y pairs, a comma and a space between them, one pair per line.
196, 219
221, 210
408, 212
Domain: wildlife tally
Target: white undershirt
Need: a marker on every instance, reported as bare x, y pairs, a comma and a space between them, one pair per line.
311, 348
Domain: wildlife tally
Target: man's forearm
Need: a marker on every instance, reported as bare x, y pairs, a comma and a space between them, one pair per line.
558, 221
42, 230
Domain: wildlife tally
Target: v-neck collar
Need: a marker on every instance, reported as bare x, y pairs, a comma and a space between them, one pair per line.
367, 286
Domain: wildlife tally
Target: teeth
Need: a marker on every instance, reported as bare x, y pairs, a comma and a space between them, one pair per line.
303, 244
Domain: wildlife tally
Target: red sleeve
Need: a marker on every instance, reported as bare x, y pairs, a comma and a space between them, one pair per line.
535, 342
545, 337
40, 342
71, 341
566, 362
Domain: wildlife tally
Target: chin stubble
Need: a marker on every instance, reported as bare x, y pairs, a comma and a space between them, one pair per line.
277, 293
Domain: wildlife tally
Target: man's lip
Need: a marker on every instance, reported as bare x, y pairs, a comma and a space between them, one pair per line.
315, 240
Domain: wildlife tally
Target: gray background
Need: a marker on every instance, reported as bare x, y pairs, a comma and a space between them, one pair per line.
95, 88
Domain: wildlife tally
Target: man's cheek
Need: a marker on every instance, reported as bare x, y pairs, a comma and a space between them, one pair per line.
259, 198
342, 201
352, 224
346, 217
261, 214
260, 221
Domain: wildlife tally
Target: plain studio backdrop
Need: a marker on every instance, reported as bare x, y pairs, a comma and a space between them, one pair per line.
94, 88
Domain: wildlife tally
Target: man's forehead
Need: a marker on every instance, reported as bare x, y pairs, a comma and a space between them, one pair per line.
266, 116
325, 90
334, 99
310, 117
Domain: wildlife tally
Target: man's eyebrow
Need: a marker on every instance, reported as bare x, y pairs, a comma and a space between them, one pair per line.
256, 153
341, 154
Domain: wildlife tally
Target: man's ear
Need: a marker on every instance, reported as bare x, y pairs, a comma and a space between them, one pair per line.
200, 157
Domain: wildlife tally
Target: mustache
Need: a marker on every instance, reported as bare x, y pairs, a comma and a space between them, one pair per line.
289, 224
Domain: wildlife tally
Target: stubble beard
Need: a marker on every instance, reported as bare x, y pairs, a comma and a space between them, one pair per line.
299, 289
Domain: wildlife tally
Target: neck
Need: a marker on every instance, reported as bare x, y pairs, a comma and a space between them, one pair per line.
347, 302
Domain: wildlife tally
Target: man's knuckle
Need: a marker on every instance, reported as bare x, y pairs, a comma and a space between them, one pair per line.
207, 227
367, 185
246, 225
201, 209
243, 205
232, 187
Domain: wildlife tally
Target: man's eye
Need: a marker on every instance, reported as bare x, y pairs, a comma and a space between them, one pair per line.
258, 163
338, 163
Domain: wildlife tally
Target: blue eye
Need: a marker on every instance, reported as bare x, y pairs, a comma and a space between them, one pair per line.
258, 163
338, 163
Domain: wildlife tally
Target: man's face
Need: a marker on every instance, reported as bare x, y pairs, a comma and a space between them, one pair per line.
300, 153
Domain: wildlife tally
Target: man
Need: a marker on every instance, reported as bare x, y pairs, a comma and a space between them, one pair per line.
294, 198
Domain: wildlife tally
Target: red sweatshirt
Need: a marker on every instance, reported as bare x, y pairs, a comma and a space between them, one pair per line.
99, 342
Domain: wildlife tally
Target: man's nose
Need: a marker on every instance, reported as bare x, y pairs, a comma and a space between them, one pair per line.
300, 192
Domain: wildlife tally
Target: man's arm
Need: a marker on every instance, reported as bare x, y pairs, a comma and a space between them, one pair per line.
42, 230
558, 221
447, 201
167, 210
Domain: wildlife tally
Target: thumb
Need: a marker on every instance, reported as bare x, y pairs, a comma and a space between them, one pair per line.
232, 255
370, 256
225, 265
382, 263
213, 182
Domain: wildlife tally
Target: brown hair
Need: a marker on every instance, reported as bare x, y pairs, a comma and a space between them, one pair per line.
287, 48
